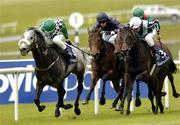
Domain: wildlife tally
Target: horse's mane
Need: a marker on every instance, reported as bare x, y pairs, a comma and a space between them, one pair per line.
37, 32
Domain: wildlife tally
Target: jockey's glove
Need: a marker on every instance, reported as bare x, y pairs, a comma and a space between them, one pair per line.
158, 37
68, 42
113, 32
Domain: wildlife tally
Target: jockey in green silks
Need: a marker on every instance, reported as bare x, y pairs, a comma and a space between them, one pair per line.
56, 33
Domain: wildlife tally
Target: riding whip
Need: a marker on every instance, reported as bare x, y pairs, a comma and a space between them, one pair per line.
81, 50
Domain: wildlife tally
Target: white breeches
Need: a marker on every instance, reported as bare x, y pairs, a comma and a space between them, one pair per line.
149, 38
109, 38
59, 41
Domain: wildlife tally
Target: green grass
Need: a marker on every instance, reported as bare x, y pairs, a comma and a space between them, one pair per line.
28, 114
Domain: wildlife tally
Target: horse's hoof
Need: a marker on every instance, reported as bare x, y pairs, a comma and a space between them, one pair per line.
85, 102
162, 112
176, 95
57, 113
102, 101
41, 108
77, 111
122, 112
67, 106
113, 106
128, 112
153, 109
163, 93
119, 108
137, 102
155, 112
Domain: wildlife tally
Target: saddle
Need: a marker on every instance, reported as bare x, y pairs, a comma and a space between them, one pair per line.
66, 54
72, 54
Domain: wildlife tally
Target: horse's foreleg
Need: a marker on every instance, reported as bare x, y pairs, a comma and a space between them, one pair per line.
93, 84
39, 88
151, 97
125, 92
119, 91
61, 92
102, 98
139, 77
129, 96
79, 90
137, 101
171, 79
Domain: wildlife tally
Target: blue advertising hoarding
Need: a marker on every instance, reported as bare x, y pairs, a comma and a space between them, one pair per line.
27, 83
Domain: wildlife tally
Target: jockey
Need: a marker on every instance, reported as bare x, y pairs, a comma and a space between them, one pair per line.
138, 12
56, 33
147, 30
109, 27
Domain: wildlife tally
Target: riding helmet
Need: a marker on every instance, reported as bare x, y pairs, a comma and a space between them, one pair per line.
102, 17
49, 26
135, 22
138, 12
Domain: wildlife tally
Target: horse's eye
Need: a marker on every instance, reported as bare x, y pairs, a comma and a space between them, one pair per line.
31, 38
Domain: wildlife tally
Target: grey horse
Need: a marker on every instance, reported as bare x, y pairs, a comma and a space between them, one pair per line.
52, 68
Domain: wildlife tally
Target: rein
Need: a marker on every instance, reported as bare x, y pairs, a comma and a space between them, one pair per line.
45, 69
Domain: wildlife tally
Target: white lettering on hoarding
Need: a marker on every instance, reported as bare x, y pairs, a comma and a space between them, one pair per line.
11, 81
4, 84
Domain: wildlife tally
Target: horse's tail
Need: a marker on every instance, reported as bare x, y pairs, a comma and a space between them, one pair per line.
173, 67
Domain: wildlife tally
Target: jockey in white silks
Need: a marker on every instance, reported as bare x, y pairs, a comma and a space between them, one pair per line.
108, 26
148, 30
56, 33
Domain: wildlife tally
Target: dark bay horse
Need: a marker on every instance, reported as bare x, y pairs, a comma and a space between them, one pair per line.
138, 64
51, 68
103, 65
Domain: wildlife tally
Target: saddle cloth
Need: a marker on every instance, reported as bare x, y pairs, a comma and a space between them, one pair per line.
161, 56
72, 53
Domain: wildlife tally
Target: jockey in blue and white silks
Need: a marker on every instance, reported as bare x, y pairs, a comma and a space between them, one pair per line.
108, 25
148, 30
56, 33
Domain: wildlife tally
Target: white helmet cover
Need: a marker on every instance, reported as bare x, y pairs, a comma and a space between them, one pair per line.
135, 22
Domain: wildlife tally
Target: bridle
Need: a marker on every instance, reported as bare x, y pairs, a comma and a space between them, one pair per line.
37, 47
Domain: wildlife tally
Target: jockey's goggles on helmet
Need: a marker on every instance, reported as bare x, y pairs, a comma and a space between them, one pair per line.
102, 21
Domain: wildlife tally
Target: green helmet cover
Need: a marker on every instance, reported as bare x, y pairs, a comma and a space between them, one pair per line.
48, 26
138, 12
150, 18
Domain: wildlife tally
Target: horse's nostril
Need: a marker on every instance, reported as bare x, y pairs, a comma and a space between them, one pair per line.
23, 49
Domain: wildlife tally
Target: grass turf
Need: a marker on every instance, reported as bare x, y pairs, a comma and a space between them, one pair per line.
28, 114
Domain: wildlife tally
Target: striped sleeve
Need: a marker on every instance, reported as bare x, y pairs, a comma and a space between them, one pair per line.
154, 25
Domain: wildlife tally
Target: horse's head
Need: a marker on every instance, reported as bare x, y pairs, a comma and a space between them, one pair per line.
124, 41
30, 40
96, 42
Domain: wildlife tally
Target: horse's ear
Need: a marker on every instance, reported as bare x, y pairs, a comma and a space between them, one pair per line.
99, 30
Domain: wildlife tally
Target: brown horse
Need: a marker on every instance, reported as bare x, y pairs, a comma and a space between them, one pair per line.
103, 65
138, 64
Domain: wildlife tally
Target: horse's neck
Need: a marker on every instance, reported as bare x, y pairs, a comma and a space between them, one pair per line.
39, 57
44, 57
107, 49
106, 55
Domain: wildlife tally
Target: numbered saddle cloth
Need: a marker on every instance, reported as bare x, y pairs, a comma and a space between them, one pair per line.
161, 56
72, 54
